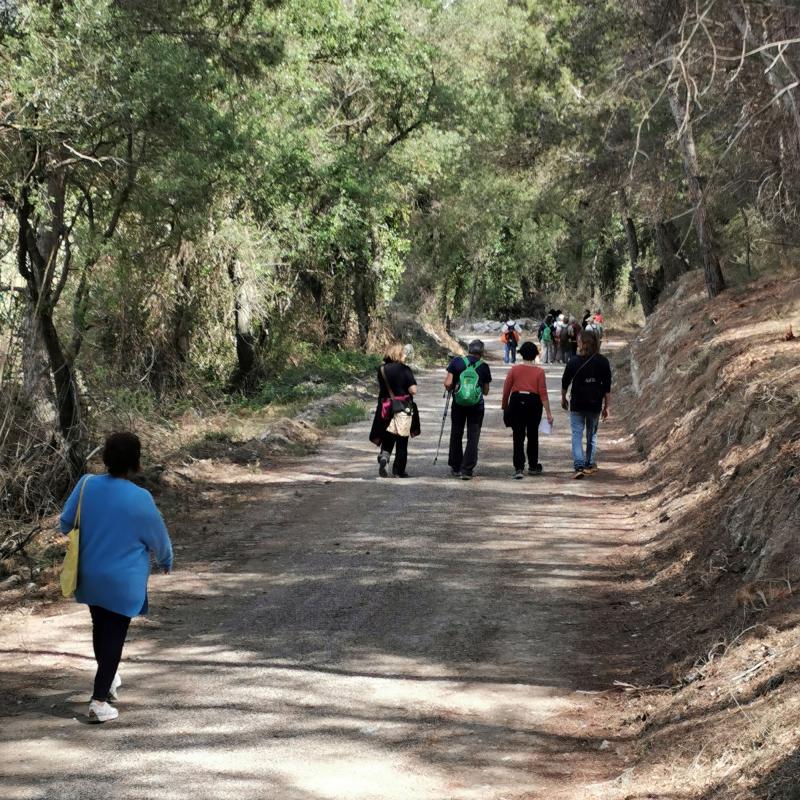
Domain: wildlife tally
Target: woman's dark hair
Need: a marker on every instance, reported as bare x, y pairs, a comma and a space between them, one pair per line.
122, 454
529, 351
589, 343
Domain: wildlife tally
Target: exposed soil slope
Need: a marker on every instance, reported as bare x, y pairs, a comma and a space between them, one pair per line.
713, 394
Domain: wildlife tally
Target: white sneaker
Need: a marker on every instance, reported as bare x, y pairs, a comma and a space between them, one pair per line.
115, 684
101, 712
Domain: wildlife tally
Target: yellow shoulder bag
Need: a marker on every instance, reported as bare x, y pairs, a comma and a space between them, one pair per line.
69, 569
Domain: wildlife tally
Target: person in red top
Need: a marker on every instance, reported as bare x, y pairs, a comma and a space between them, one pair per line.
510, 338
524, 397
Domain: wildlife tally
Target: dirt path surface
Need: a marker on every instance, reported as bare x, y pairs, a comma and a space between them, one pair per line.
330, 635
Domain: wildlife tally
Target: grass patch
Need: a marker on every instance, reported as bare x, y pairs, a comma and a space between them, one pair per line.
222, 436
345, 414
318, 374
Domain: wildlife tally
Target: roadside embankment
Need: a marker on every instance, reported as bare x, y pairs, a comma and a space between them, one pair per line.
712, 393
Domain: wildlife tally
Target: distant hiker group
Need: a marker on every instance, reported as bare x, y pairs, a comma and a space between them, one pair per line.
586, 379
559, 333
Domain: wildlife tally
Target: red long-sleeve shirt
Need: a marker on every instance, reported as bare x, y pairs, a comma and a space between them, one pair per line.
525, 378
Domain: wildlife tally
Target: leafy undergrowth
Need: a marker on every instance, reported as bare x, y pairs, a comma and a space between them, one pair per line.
288, 417
345, 414
311, 376
712, 390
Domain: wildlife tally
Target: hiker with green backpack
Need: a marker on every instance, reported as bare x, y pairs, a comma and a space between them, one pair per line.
468, 378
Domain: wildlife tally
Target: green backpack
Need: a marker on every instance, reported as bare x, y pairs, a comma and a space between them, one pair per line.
469, 392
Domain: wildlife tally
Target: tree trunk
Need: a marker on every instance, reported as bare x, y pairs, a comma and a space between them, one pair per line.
527, 293
748, 243
476, 279
444, 299
37, 255
67, 396
363, 301
181, 333
362, 309
715, 281
245, 336
37, 386
673, 264
337, 306
648, 291
593, 274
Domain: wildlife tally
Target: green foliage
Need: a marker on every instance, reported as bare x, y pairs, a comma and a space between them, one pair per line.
188, 190
345, 414
318, 374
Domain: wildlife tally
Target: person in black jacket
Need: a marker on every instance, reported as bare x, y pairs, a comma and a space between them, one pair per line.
396, 381
589, 375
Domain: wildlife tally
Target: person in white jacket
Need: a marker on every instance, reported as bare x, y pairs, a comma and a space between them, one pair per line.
558, 329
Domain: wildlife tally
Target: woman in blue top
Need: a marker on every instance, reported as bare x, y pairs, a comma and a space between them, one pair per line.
120, 526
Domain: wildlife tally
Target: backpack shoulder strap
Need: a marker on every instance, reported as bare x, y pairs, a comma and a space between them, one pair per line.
386, 382
465, 359
582, 366
77, 523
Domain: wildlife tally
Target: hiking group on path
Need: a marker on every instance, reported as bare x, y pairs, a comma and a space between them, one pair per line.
115, 528
559, 334
587, 378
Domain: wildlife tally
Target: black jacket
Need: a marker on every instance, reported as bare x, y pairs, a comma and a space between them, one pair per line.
590, 377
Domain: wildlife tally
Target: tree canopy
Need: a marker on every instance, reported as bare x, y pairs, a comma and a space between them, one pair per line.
185, 187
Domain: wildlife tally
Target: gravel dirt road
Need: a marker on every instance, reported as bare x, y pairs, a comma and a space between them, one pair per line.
329, 635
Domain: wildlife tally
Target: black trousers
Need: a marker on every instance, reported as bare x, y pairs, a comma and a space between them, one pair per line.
526, 414
109, 630
470, 417
400, 446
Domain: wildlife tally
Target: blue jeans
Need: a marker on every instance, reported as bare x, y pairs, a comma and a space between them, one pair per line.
580, 421
510, 353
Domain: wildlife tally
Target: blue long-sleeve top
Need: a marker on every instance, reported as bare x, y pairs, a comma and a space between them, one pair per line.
120, 527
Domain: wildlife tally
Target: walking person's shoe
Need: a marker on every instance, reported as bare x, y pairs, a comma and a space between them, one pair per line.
383, 461
400, 475
455, 473
536, 469
115, 684
100, 711
518, 475
579, 473
466, 476
591, 469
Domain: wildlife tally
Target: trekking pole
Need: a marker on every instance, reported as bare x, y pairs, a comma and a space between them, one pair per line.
444, 421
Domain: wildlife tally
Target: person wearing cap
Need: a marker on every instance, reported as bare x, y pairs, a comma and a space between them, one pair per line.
462, 460
510, 338
524, 397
